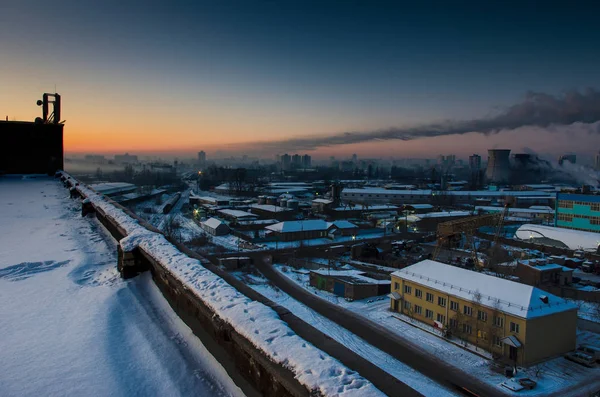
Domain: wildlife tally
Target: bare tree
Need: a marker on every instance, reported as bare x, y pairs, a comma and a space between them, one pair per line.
172, 228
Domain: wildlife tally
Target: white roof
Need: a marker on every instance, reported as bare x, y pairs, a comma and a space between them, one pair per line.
270, 207
238, 213
370, 208
420, 206
213, 223
113, 187
297, 226
530, 210
574, 239
343, 224
428, 192
416, 218
357, 276
511, 297
323, 201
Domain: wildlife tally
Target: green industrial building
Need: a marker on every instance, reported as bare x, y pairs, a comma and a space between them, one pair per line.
578, 211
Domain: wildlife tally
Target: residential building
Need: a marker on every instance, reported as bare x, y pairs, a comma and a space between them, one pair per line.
518, 323
286, 162
126, 158
578, 211
597, 162
571, 158
306, 161
201, 158
296, 161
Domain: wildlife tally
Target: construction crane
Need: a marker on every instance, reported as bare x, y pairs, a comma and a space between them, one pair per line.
495, 248
465, 226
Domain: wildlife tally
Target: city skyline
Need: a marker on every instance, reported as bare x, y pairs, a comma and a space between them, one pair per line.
168, 79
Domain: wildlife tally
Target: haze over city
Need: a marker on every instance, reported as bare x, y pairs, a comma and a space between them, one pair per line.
263, 78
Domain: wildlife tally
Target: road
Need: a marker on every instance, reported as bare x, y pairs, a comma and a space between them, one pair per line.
378, 336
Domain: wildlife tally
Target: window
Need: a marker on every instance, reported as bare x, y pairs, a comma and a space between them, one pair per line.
396, 285
499, 322
565, 217
497, 340
441, 301
418, 293
429, 314
418, 309
467, 310
407, 289
453, 323
482, 334
565, 204
441, 318
407, 305
514, 327
454, 306
481, 315
429, 297
595, 207
467, 329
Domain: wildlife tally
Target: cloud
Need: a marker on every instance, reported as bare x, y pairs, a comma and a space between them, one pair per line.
536, 109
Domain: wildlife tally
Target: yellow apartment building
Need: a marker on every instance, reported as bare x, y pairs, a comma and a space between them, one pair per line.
517, 323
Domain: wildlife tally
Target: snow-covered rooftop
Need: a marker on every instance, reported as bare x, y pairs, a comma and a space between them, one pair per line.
428, 192
574, 239
299, 226
508, 296
270, 208
213, 223
238, 214
322, 201
545, 210
109, 188
352, 276
343, 224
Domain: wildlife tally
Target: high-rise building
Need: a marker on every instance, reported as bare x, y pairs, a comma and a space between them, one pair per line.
571, 158
354, 158
286, 162
475, 163
597, 163
126, 158
498, 167
201, 158
296, 161
306, 161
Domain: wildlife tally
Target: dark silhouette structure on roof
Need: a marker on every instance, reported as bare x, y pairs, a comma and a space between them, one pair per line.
33, 147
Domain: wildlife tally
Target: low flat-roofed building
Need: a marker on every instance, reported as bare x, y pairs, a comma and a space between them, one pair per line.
519, 323
271, 211
114, 188
209, 200
310, 229
236, 215
321, 205
541, 272
350, 284
215, 227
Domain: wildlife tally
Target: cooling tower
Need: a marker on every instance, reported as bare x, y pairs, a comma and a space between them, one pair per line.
498, 167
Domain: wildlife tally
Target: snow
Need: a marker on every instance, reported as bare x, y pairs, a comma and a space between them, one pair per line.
343, 224
270, 208
389, 364
258, 323
322, 201
511, 297
427, 192
544, 210
298, 226
212, 223
574, 239
70, 325
113, 187
556, 376
238, 214
356, 276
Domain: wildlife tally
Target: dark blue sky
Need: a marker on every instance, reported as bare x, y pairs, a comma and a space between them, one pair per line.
277, 69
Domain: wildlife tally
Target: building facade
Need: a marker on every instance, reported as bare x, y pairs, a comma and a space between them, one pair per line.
517, 323
578, 211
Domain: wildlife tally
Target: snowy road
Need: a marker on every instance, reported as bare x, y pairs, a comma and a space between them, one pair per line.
69, 325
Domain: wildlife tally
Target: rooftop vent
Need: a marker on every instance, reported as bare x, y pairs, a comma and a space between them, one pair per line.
544, 298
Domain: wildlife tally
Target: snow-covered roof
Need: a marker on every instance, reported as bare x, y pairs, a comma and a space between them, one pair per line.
420, 206
213, 223
109, 188
343, 224
518, 299
428, 192
322, 201
417, 218
298, 226
238, 214
574, 239
270, 207
541, 207
352, 276
544, 210
369, 208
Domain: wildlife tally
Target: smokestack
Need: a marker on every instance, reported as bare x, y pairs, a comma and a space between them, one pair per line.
498, 167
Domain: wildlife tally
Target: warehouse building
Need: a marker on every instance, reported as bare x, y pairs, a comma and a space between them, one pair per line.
519, 323
578, 211
310, 229
349, 284
271, 211
215, 227
559, 237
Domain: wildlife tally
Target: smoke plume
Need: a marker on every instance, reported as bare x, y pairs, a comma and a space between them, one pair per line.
537, 109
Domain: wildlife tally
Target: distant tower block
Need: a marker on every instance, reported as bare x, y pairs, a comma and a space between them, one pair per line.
498, 167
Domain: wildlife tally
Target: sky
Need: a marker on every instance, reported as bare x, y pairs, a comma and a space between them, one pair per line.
228, 77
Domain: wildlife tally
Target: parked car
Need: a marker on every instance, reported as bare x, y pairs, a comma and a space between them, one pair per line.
590, 351
581, 358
